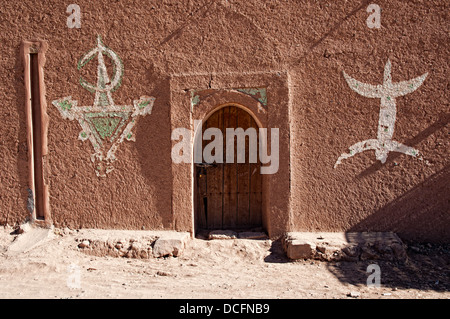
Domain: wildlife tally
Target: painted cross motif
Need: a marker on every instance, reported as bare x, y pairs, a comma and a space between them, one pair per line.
104, 124
387, 92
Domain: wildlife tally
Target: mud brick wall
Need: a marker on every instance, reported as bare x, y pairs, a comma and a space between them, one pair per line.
314, 42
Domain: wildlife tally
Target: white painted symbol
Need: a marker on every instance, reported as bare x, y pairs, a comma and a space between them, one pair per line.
74, 20
374, 19
387, 92
374, 279
104, 124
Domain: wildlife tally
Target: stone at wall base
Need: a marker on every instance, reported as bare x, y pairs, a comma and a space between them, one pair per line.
132, 244
344, 246
172, 245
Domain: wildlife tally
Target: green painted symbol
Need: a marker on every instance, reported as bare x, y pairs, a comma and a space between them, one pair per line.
143, 104
65, 105
105, 126
104, 123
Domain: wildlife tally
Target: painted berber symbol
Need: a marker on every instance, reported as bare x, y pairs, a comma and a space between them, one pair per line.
104, 124
387, 92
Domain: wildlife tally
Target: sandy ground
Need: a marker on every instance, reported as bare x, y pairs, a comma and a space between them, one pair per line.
213, 269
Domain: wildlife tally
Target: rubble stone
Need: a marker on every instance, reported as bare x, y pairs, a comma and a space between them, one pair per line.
132, 244
84, 244
172, 245
344, 246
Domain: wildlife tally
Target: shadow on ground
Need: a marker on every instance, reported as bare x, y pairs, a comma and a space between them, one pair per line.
413, 216
277, 254
426, 268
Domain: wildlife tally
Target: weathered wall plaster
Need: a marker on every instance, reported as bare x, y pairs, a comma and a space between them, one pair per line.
314, 41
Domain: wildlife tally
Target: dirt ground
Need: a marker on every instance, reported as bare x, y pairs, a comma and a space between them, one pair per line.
238, 268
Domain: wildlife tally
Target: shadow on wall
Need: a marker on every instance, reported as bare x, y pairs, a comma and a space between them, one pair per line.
154, 152
22, 148
421, 211
444, 120
413, 216
334, 28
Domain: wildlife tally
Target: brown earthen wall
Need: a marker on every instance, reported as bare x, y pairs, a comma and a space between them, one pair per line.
313, 41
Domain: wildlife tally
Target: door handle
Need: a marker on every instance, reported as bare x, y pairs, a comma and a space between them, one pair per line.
206, 165
203, 168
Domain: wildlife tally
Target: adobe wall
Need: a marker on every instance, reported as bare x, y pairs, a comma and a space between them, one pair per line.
312, 41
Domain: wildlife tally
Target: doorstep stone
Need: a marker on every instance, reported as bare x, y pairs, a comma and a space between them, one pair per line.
222, 234
252, 235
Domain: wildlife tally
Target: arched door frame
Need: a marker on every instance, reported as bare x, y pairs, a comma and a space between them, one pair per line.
234, 96
187, 110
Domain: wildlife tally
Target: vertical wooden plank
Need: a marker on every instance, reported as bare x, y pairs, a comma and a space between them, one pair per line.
196, 200
201, 198
243, 175
33, 54
230, 174
214, 207
214, 180
37, 136
255, 188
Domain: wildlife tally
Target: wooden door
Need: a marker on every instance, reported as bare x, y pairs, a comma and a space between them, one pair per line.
229, 195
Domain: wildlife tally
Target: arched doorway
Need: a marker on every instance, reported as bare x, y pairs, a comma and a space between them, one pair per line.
228, 195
